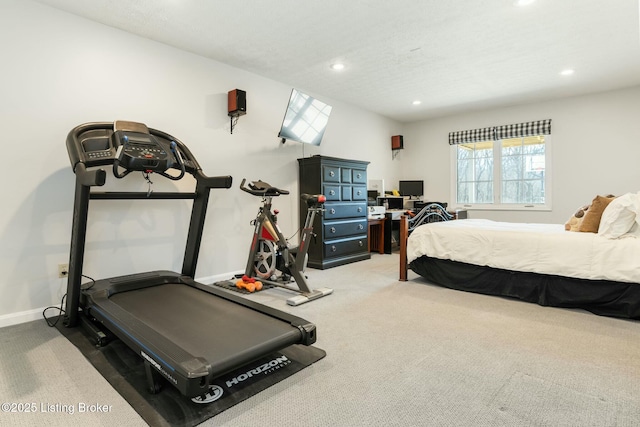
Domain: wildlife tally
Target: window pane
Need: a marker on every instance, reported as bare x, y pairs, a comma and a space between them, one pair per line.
465, 151
465, 170
484, 169
483, 149
464, 192
484, 192
534, 191
475, 172
533, 149
510, 191
511, 167
533, 174
523, 170
510, 150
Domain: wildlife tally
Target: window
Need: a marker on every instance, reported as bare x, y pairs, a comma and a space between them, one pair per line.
511, 172
523, 163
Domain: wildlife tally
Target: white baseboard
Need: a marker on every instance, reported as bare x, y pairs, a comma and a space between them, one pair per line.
24, 316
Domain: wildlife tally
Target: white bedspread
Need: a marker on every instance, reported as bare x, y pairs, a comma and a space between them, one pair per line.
538, 248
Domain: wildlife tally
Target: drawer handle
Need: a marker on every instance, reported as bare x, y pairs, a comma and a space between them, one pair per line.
333, 229
333, 249
332, 173
359, 209
359, 192
332, 192
360, 243
360, 227
359, 176
332, 211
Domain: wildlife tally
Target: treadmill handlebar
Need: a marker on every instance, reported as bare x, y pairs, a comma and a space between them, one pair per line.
215, 181
90, 178
98, 177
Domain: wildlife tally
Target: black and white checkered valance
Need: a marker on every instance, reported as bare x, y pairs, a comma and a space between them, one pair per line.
473, 135
540, 127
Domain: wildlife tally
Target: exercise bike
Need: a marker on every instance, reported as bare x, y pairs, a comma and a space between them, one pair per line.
271, 260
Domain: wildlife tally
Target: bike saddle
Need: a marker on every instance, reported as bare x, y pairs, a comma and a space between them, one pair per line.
261, 188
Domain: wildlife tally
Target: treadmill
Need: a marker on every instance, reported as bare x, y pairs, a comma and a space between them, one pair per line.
186, 332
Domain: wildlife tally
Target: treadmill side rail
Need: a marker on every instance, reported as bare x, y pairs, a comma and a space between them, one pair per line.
308, 332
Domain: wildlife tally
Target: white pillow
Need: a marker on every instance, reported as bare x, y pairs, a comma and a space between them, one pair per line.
634, 232
619, 216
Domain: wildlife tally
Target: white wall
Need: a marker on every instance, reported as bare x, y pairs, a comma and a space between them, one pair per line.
596, 150
59, 71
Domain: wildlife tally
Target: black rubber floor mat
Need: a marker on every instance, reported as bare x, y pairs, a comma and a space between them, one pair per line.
124, 370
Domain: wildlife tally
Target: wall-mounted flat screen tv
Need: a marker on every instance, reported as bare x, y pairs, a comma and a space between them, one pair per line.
305, 120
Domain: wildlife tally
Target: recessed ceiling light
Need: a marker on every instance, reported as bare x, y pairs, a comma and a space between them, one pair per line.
567, 72
337, 66
416, 102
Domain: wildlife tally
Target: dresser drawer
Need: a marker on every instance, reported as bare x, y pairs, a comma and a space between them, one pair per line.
359, 176
340, 247
336, 229
346, 193
330, 173
345, 175
344, 210
358, 193
332, 192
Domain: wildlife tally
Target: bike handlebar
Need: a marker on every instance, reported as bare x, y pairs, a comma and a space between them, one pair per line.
313, 200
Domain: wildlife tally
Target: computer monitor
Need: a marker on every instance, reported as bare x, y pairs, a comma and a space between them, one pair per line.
391, 202
412, 188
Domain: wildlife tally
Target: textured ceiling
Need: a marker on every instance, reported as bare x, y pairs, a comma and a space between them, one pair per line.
452, 55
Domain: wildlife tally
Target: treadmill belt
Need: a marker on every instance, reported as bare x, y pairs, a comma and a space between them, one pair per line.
231, 332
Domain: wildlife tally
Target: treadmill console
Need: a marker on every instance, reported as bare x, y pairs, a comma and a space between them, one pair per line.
140, 152
93, 147
127, 145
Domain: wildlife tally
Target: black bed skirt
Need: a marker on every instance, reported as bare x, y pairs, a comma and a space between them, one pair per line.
601, 297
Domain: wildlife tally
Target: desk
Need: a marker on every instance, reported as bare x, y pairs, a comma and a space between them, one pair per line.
392, 229
375, 234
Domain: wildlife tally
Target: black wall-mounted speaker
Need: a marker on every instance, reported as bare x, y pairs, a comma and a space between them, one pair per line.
237, 102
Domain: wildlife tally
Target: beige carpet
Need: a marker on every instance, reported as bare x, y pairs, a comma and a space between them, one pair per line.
398, 354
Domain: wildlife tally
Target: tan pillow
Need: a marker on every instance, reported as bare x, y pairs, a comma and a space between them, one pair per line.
573, 224
592, 216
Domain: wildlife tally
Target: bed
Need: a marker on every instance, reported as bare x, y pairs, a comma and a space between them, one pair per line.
540, 263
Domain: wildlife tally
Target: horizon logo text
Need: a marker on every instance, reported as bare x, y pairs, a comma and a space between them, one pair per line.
265, 368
